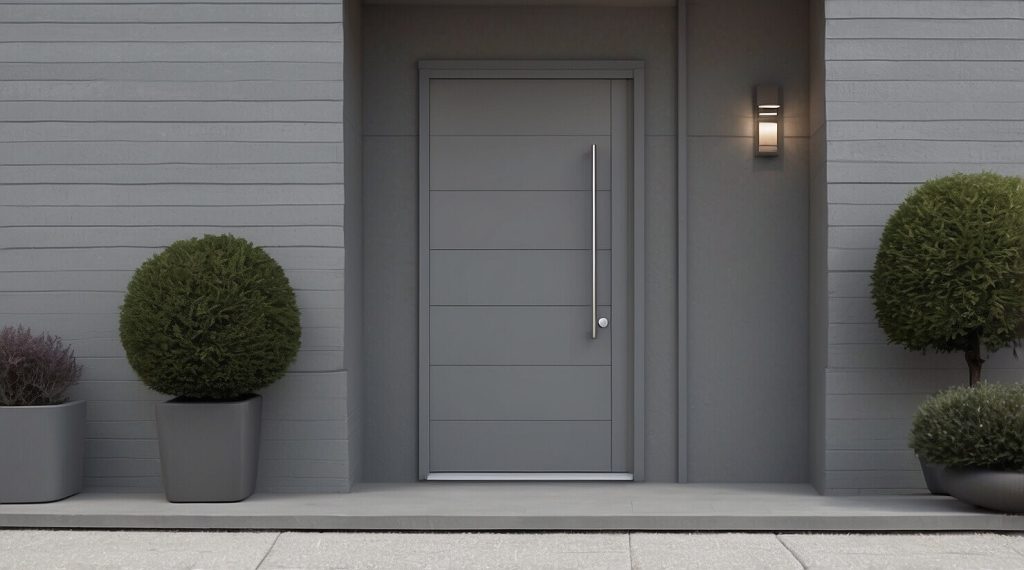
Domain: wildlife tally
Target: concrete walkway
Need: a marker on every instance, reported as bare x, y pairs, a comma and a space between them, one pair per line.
153, 550
446, 506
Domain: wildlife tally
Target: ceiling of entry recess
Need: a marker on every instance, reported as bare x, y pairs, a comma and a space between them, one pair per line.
529, 2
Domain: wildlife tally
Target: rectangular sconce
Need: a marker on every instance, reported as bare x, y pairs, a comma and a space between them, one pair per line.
767, 120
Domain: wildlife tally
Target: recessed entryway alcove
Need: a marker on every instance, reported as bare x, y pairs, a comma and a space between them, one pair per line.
725, 394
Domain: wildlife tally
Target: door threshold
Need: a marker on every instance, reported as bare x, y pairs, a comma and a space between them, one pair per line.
530, 477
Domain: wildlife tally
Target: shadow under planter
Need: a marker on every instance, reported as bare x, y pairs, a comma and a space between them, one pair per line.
42, 452
996, 490
209, 450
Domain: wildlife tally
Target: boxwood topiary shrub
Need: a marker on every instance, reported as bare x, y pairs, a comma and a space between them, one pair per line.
35, 370
980, 427
949, 275
210, 318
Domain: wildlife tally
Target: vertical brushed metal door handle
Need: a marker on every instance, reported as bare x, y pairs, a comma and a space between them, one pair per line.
593, 241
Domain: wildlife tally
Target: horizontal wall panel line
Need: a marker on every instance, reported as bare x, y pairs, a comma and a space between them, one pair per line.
125, 42
179, 122
896, 36
152, 100
901, 140
170, 31
168, 21
38, 42
115, 82
923, 17
877, 161
171, 204
910, 80
918, 120
262, 162
903, 60
122, 291
239, 141
158, 184
211, 71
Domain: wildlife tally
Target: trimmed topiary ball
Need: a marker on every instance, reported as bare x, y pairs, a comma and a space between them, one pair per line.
949, 275
210, 318
980, 427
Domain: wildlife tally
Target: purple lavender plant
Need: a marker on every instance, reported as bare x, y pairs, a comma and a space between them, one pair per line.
35, 370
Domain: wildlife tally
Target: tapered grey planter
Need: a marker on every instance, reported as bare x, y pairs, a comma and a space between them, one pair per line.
996, 490
42, 451
209, 451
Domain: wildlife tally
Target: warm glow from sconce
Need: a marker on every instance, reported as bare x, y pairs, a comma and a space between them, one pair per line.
767, 117
768, 137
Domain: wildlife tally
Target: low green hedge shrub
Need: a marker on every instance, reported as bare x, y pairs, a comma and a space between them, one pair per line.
980, 427
210, 318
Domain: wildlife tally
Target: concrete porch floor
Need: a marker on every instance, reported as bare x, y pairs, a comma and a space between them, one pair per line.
525, 506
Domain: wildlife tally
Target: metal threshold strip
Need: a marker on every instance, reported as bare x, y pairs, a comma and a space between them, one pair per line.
530, 477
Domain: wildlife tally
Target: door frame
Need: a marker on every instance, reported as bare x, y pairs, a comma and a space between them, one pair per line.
535, 69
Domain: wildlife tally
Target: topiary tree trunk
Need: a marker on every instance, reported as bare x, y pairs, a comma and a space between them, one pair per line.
973, 356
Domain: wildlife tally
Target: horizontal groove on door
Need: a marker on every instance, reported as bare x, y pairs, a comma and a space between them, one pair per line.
537, 476
520, 393
517, 164
516, 335
470, 107
517, 277
517, 220
520, 446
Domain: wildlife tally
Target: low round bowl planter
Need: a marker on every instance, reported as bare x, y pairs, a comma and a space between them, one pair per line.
42, 450
995, 490
209, 450
933, 477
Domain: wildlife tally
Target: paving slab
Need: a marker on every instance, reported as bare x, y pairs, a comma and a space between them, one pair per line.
655, 551
601, 551
907, 551
52, 549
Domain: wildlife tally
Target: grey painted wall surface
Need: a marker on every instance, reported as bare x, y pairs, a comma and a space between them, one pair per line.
353, 342
914, 90
747, 229
125, 127
395, 38
748, 253
818, 244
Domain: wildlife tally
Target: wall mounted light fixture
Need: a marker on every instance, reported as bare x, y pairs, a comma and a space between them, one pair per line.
767, 120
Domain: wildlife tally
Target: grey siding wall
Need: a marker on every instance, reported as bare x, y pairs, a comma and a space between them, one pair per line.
914, 90
124, 127
748, 255
395, 37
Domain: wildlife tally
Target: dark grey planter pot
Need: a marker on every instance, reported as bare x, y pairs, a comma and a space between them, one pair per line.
996, 490
209, 451
933, 477
42, 452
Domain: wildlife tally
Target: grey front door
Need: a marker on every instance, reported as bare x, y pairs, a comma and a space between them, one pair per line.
515, 380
